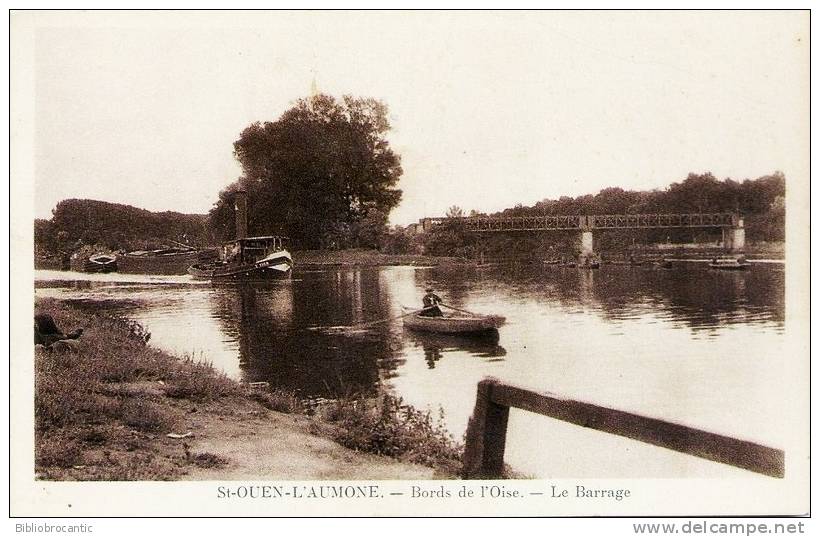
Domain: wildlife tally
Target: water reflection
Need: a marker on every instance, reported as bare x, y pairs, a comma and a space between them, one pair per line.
688, 344
689, 294
271, 323
264, 328
436, 346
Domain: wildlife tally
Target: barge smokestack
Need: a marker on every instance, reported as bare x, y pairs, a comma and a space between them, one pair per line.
240, 200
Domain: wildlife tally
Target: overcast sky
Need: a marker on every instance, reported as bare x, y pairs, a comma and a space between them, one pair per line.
488, 109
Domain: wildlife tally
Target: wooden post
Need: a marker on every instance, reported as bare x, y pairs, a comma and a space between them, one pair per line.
486, 435
487, 431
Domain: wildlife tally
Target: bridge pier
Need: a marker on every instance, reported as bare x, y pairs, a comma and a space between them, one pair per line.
587, 250
734, 238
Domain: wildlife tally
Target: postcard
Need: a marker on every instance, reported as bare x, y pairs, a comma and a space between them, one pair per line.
409, 263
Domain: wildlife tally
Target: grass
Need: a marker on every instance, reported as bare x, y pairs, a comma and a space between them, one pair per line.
279, 400
103, 406
102, 410
386, 426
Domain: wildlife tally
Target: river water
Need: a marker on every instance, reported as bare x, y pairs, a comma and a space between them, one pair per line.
687, 344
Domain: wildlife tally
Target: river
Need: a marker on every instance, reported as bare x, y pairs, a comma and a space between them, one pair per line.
692, 345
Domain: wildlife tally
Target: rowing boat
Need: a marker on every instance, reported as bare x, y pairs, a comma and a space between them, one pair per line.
95, 263
730, 263
453, 323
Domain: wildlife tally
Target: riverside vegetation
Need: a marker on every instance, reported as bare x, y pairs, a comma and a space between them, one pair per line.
371, 242
105, 410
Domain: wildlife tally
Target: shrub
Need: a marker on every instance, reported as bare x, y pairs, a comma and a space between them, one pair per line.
386, 426
145, 415
280, 400
208, 460
198, 381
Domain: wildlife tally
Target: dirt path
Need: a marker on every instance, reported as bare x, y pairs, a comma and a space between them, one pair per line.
259, 444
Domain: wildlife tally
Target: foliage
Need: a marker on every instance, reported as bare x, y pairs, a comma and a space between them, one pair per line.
323, 174
279, 400
387, 426
100, 410
760, 201
94, 405
113, 226
454, 212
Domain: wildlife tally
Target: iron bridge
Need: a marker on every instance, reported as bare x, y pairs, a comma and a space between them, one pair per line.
605, 221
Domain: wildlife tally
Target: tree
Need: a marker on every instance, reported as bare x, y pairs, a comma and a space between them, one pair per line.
315, 173
454, 212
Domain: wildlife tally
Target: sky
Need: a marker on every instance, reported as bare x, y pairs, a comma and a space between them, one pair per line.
488, 109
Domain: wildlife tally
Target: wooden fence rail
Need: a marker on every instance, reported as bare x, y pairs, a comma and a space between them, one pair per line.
487, 431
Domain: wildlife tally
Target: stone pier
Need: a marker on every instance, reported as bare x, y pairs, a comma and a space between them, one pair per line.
587, 243
587, 250
734, 238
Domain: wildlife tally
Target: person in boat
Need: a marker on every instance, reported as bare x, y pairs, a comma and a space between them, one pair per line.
431, 302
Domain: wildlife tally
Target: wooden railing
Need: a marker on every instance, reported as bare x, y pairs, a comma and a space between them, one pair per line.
487, 431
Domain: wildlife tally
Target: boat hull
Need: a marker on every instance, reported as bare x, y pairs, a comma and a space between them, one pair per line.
480, 324
729, 267
730, 263
95, 263
176, 263
271, 268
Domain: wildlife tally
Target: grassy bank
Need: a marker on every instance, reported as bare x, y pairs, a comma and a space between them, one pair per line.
755, 250
357, 257
372, 258
105, 409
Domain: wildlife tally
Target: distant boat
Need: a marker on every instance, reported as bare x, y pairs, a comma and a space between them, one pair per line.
729, 263
453, 323
252, 258
589, 263
94, 263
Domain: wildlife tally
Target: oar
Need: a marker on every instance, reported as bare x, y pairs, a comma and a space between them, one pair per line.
183, 245
371, 323
462, 311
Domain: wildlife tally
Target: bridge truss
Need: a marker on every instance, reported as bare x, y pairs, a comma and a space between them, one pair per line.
606, 221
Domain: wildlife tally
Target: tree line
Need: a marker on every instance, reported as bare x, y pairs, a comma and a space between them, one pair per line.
324, 175
760, 201
112, 226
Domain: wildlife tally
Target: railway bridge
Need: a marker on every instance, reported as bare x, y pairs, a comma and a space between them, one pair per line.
731, 225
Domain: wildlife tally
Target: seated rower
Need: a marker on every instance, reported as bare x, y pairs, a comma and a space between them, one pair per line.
431, 302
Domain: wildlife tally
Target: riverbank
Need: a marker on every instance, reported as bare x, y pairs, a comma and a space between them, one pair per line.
111, 407
369, 258
755, 250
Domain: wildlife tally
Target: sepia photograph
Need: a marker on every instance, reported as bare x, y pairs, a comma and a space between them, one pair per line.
410, 263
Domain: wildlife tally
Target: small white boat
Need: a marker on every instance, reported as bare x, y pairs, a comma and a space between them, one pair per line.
94, 263
730, 263
453, 323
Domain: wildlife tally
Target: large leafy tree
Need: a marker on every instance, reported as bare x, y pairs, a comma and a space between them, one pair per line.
316, 174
